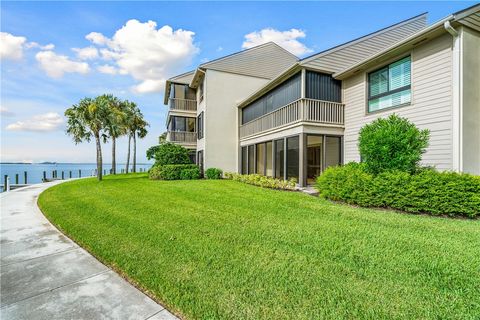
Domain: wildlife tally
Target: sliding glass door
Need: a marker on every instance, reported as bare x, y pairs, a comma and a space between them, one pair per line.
322, 152
279, 158
293, 154
314, 157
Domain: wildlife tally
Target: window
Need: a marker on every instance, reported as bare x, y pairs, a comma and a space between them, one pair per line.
200, 126
200, 161
200, 92
390, 86
268, 156
179, 123
182, 124
261, 158
332, 151
293, 154
251, 159
279, 159
190, 124
244, 160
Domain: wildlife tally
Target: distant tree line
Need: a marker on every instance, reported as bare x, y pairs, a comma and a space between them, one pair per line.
106, 117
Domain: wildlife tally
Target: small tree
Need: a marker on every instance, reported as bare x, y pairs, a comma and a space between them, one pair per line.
85, 120
170, 153
393, 143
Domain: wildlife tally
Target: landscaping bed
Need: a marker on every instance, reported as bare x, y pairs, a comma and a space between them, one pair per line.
220, 249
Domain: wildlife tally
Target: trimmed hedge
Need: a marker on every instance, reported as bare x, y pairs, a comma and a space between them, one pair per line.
427, 191
393, 143
213, 173
262, 181
171, 171
190, 174
169, 153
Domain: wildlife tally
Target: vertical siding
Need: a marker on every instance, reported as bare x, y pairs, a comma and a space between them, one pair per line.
431, 106
282, 95
323, 87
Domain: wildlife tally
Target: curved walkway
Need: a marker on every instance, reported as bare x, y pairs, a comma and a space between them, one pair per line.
45, 275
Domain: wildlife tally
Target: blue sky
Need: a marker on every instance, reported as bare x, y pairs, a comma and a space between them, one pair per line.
42, 74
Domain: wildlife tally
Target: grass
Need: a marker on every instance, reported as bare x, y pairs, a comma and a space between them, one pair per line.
217, 249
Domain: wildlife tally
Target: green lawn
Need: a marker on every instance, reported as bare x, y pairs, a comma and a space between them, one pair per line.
225, 250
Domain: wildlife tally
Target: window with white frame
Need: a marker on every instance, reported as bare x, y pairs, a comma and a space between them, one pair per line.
390, 86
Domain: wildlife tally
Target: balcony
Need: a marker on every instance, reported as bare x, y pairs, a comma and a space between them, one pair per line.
301, 110
182, 137
177, 104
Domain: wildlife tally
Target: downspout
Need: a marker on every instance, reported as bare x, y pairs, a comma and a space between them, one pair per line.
457, 85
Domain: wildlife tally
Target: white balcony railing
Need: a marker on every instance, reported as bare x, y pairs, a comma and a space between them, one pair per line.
182, 136
183, 104
308, 110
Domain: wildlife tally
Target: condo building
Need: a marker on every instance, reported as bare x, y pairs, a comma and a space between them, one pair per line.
263, 110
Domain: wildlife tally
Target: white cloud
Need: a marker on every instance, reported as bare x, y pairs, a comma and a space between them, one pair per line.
109, 55
4, 112
289, 40
12, 46
149, 85
148, 54
56, 65
97, 38
33, 44
40, 123
86, 53
108, 69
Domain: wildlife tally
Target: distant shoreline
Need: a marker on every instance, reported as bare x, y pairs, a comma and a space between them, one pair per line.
76, 163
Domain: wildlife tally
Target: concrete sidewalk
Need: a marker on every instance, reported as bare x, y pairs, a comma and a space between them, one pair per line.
45, 275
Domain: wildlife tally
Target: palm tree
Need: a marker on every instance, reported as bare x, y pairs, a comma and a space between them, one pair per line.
136, 126
86, 120
114, 123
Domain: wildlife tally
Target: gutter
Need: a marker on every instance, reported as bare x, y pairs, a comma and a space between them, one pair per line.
457, 99
450, 29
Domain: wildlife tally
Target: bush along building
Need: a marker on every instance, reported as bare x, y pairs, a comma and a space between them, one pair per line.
265, 111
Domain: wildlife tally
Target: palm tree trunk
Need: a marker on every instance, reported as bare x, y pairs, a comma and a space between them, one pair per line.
114, 161
99, 157
128, 153
134, 152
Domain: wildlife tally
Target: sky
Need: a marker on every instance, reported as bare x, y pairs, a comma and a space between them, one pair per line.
55, 53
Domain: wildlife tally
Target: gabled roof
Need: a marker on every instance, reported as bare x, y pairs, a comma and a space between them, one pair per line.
335, 58
264, 61
467, 17
349, 53
183, 78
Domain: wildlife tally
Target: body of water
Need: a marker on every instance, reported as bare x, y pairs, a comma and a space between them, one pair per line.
35, 171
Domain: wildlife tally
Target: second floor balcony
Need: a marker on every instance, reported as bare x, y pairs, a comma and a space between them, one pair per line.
178, 104
302, 110
182, 137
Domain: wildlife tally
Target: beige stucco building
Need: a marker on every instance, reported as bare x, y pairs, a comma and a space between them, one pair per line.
264, 111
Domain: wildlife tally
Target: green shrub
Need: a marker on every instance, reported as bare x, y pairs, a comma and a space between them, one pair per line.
262, 181
190, 174
169, 171
169, 153
393, 143
213, 173
427, 191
